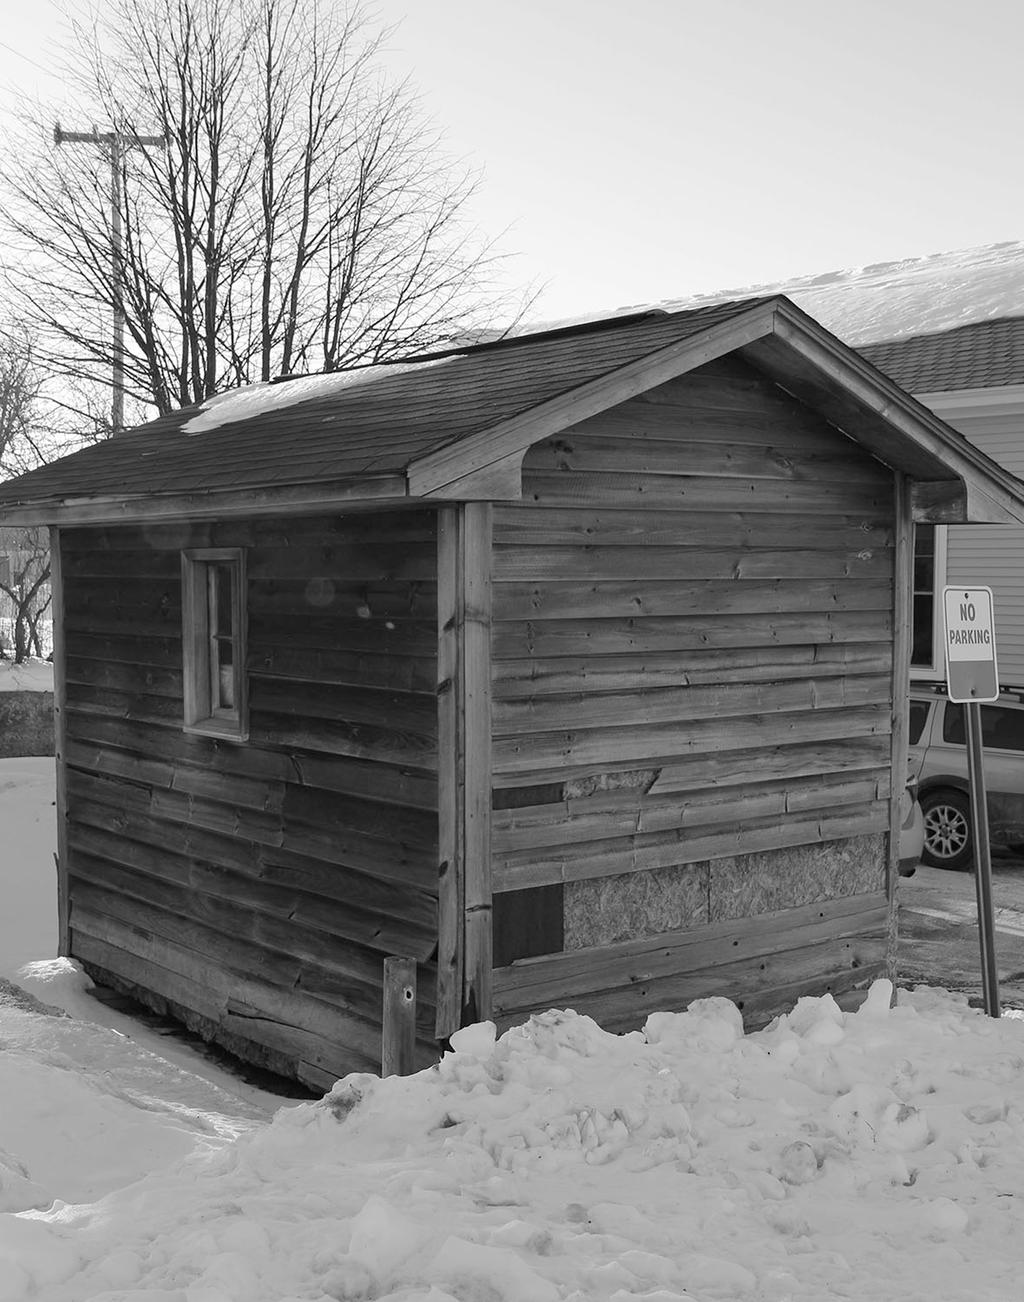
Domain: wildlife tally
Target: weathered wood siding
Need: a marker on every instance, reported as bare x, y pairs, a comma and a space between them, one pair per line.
257, 887
692, 662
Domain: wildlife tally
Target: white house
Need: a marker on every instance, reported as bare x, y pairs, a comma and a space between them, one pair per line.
973, 377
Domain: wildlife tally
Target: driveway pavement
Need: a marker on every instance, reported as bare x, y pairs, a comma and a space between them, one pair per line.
939, 930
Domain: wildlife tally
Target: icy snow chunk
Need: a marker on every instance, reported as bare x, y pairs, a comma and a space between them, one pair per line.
946, 1215
714, 1277
381, 1236
797, 1163
714, 1023
18, 1191
878, 1001
346, 1095
902, 1128
817, 1020
473, 1269
477, 1040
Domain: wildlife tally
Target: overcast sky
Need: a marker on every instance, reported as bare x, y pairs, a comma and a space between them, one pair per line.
643, 149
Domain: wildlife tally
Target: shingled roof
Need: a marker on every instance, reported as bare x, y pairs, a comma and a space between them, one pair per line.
985, 354
366, 430
456, 424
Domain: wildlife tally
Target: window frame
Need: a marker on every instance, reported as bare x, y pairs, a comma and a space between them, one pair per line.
935, 669
200, 638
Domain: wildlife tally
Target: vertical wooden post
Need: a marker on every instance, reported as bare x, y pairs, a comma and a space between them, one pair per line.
60, 696
903, 625
398, 1039
476, 727
464, 771
451, 767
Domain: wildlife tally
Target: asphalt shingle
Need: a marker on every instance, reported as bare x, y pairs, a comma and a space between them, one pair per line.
986, 354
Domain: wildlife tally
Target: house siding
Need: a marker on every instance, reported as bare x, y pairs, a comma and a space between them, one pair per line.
993, 555
692, 661
255, 888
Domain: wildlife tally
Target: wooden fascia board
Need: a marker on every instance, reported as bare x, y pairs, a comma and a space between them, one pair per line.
984, 507
501, 481
938, 501
148, 508
441, 473
991, 488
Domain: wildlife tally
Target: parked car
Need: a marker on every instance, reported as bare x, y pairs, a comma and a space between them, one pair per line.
938, 760
911, 830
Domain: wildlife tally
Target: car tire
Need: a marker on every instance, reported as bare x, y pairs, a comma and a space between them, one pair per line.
948, 835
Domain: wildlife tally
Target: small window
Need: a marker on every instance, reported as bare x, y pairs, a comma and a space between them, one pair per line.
213, 641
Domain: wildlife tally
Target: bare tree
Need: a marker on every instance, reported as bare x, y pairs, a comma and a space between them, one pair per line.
24, 553
24, 593
19, 395
297, 215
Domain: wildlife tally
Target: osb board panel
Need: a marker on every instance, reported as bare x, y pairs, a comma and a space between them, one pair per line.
746, 885
602, 910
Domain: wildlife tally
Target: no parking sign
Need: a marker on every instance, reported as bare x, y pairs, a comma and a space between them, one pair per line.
971, 673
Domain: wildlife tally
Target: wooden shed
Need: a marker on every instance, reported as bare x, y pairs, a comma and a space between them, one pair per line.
571, 666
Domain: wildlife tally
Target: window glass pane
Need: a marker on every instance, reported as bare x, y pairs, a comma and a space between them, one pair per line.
954, 728
918, 718
924, 573
1001, 727
223, 580
921, 652
222, 577
923, 645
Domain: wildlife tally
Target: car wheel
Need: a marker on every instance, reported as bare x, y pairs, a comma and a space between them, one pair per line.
948, 839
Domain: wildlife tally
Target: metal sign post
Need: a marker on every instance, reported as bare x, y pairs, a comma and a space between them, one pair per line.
971, 678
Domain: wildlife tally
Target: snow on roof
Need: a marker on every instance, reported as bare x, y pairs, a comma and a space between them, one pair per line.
886, 300
254, 399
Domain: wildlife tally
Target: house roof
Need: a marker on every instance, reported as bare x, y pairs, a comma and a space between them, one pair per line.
985, 354
362, 431
457, 424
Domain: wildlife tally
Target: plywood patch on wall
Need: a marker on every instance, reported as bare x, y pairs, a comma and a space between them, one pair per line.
603, 910
746, 885
640, 780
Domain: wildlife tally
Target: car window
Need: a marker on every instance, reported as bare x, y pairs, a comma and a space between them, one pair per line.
1001, 727
918, 718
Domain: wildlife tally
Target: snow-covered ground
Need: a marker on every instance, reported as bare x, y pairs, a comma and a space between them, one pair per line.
876, 1156
32, 676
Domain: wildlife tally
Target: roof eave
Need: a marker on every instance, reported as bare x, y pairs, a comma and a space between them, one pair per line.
917, 436
149, 508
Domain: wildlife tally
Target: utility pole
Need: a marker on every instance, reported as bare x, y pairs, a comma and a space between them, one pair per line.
115, 142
